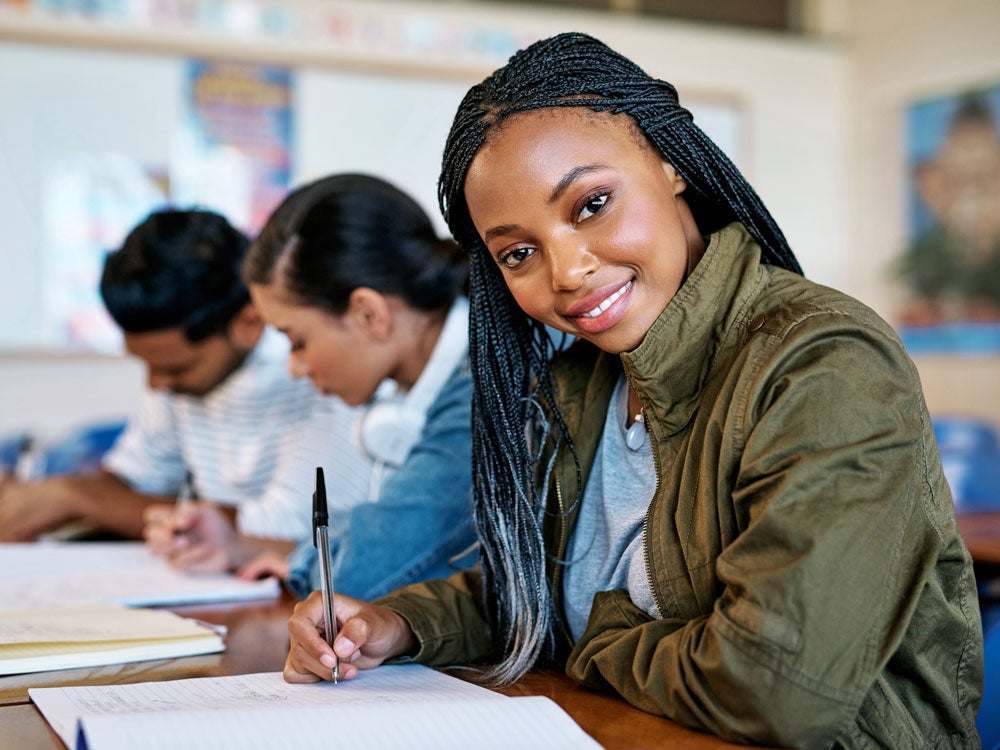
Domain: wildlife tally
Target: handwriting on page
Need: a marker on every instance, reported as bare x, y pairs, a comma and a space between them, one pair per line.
388, 684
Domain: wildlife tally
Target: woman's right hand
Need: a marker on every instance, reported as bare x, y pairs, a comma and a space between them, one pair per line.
367, 635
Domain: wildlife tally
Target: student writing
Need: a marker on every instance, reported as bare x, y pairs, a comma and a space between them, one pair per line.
351, 270
219, 406
776, 560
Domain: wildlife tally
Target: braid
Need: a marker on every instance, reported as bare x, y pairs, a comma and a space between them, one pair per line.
510, 353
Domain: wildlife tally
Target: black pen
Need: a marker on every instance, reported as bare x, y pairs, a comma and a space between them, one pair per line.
322, 541
187, 496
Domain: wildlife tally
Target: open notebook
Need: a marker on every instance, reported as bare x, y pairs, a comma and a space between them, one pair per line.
392, 706
36, 640
49, 574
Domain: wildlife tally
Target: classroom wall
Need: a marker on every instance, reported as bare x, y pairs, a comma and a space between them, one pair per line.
901, 51
822, 142
788, 91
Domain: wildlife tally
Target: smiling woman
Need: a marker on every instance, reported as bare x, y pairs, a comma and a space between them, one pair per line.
720, 572
602, 239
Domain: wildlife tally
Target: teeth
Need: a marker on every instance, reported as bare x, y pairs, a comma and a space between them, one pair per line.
607, 303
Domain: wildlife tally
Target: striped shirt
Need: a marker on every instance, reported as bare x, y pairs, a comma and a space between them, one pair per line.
253, 442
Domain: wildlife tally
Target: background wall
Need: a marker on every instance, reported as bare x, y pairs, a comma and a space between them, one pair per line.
899, 52
822, 138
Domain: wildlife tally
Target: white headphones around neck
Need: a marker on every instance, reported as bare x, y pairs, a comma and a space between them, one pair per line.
387, 429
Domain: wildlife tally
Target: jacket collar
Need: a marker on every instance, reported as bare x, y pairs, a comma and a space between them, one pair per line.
676, 355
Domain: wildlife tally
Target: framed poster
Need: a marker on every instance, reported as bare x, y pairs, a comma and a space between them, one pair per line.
951, 265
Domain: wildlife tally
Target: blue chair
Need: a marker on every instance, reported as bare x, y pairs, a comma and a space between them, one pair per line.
988, 721
79, 451
11, 448
970, 457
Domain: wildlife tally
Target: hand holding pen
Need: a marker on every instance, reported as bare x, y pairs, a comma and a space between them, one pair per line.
371, 633
321, 539
183, 516
192, 535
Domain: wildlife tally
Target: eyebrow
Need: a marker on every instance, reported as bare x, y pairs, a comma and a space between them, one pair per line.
561, 187
570, 177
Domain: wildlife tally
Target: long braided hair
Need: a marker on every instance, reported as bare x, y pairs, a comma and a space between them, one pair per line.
510, 352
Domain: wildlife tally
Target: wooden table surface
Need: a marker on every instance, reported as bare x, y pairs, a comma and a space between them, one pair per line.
257, 641
981, 532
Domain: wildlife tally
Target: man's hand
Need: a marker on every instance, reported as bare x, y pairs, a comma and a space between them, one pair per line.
28, 509
196, 536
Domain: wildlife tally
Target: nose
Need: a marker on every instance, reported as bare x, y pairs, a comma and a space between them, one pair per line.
570, 262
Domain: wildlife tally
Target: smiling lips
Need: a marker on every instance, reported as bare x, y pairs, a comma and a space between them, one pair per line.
607, 303
606, 314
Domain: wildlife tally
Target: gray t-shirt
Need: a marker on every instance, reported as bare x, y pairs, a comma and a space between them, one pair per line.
606, 550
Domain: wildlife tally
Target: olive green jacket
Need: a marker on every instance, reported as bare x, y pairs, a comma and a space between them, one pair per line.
812, 587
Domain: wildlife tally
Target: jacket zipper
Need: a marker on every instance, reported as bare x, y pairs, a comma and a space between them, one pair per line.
561, 555
645, 520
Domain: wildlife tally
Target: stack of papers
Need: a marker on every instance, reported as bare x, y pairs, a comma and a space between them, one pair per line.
62, 605
36, 640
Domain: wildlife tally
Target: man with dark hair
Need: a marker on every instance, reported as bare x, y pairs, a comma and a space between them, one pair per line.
222, 414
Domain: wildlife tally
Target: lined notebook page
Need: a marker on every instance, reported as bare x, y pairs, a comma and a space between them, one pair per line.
262, 710
523, 723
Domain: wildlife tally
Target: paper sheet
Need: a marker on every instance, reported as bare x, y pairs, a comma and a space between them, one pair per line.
74, 573
391, 706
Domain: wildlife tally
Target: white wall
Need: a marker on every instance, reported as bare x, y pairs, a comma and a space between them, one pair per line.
48, 395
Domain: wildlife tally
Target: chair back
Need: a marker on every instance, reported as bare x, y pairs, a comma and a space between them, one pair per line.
970, 457
81, 450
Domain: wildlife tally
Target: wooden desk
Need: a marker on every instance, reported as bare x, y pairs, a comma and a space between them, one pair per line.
981, 532
257, 641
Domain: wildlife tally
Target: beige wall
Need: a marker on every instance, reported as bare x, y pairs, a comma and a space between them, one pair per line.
901, 51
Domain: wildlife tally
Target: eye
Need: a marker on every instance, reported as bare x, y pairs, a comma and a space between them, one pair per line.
514, 257
297, 345
593, 205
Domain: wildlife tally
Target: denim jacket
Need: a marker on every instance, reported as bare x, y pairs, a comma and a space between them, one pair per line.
420, 526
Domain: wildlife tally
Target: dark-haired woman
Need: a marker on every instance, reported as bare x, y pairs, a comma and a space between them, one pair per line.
351, 270
724, 501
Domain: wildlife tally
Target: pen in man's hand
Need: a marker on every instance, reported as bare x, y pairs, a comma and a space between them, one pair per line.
187, 496
322, 541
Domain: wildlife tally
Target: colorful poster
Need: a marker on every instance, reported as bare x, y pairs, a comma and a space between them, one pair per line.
233, 148
951, 265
